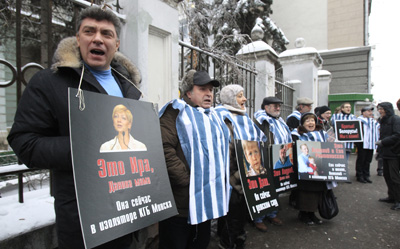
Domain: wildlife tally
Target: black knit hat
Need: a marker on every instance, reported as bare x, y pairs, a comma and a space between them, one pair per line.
323, 109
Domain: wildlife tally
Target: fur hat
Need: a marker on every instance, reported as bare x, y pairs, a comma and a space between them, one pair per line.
228, 95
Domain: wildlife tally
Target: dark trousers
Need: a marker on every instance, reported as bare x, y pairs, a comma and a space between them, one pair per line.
391, 173
363, 162
176, 233
231, 226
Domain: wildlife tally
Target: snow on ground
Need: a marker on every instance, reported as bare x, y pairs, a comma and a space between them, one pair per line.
18, 218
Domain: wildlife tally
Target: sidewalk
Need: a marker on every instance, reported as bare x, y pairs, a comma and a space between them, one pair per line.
363, 222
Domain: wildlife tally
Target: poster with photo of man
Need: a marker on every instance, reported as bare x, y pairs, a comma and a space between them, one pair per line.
285, 175
120, 175
321, 161
256, 177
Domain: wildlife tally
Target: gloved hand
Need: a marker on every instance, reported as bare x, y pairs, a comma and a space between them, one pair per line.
379, 142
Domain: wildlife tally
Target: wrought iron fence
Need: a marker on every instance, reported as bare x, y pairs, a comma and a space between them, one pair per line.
285, 93
227, 70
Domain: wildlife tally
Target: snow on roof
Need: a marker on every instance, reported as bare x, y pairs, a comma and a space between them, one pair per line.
256, 47
298, 51
324, 73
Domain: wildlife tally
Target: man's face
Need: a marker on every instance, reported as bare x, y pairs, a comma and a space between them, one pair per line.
305, 108
367, 114
381, 111
253, 156
282, 153
304, 149
97, 42
202, 95
346, 109
273, 109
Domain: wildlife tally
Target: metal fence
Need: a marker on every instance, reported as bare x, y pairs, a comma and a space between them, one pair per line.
285, 93
227, 70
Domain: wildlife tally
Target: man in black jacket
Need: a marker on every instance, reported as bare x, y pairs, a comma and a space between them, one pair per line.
40, 133
389, 134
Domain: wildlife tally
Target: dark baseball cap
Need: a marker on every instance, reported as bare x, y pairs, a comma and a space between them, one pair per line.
367, 108
201, 78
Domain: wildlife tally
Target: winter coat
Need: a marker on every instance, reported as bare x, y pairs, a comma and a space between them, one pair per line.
389, 131
40, 133
177, 166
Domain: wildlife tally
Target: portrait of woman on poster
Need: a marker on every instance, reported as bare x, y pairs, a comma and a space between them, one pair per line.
123, 141
252, 154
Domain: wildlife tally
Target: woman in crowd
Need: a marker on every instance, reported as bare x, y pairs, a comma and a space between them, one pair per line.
324, 117
231, 227
309, 192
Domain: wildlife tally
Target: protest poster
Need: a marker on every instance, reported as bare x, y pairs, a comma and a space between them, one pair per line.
119, 168
321, 161
348, 131
285, 175
256, 177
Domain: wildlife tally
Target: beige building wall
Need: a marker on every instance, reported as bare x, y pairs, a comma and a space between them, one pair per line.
345, 23
302, 18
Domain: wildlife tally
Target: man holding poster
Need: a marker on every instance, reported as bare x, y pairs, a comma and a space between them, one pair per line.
40, 134
273, 126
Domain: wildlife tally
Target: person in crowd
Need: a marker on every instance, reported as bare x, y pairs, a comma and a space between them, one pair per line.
233, 112
273, 126
252, 154
324, 117
124, 141
196, 149
284, 160
40, 133
389, 135
309, 192
365, 149
304, 105
345, 114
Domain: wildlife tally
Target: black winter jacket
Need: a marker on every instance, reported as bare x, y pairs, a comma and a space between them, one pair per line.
389, 131
40, 133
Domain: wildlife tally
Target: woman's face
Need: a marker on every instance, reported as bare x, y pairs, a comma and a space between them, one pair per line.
309, 124
241, 100
253, 156
326, 115
121, 122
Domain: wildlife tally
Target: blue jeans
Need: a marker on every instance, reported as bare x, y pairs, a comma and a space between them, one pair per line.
270, 215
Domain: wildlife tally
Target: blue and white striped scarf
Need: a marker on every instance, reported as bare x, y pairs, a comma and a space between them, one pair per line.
371, 132
296, 114
243, 127
205, 143
278, 127
316, 136
341, 116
